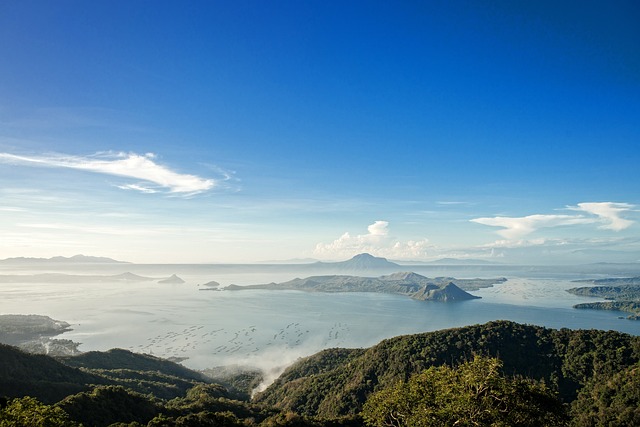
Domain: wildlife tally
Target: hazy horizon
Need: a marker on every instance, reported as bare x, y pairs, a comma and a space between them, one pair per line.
78, 261
243, 132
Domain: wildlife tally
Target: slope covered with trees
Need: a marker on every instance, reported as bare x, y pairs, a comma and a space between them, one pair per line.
563, 359
499, 373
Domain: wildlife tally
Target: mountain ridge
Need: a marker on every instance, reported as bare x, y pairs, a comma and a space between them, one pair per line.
75, 259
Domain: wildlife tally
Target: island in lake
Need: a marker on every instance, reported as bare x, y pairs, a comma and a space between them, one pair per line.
403, 283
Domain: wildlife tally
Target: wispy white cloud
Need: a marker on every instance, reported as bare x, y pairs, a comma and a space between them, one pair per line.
608, 213
523, 243
453, 203
605, 213
377, 242
128, 165
137, 187
516, 227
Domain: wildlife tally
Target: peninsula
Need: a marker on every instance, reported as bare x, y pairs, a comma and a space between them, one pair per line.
623, 294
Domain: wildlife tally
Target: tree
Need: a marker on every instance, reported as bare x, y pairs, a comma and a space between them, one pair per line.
29, 412
609, 401
473, 394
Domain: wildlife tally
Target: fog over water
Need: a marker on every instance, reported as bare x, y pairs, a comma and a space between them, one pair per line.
271, 329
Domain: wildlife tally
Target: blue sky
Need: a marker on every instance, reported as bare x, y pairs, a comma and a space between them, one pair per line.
248, 131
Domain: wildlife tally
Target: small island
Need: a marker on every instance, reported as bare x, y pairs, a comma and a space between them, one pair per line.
172, 280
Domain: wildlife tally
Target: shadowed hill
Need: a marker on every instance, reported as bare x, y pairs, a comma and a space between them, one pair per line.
50, 379
40, 376
123, 359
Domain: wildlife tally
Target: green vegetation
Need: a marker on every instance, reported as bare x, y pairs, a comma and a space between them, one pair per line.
28, 412
609, 400
624, 293
106, 405
632, 307
475, 393
500, 373
564, 359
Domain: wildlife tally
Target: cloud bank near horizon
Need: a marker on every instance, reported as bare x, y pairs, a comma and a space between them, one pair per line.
607, 214
377, 242
153, 175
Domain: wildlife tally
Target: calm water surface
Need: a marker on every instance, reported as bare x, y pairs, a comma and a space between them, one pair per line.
269, 328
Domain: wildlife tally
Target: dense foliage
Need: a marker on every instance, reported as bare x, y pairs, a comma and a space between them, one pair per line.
106, 405
475, 393
40, 376
564, 359
29, 412
609, 400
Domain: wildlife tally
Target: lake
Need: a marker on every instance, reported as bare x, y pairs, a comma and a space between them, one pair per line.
271, 329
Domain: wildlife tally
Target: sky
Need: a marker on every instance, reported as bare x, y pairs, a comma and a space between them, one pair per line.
250, 131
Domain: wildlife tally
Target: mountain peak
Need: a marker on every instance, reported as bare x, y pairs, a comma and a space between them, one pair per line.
365, 260
365, 255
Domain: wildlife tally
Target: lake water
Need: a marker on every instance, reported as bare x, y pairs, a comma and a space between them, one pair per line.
270, 329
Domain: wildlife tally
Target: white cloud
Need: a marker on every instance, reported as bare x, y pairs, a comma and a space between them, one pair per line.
525, 243
378, 228
128, 165
376, 242
137, 187
516, 227
605, 213
608, 213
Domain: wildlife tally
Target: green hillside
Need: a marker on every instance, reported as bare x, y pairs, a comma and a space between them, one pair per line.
499, 373
563, 358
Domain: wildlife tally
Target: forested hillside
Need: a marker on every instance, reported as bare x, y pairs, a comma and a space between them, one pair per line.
497, 373
333, 383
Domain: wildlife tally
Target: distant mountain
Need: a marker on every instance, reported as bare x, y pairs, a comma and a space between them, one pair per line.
360, 262
76, 259
405, 283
